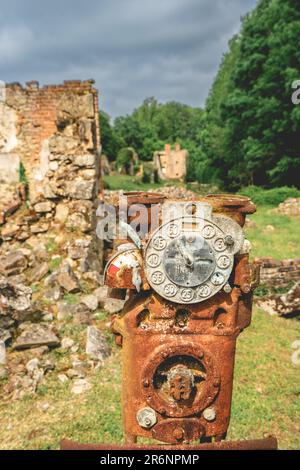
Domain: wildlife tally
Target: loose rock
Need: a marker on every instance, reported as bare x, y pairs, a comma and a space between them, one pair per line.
113, 306
90, 301
2, 353
96, 344
35, 335
81, 386
67, 279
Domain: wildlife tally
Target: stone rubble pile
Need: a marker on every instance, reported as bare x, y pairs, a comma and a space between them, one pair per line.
278, 273
290, 207
282, 305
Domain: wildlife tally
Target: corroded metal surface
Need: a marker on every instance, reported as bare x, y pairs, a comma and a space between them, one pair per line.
178, 330
269, 443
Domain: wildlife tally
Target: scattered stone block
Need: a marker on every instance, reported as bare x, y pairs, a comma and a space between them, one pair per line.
113, 306
81, 386
2, 353
97, 346
13, 263
91, 301
67, 279
43, 207
39, 272
35, 335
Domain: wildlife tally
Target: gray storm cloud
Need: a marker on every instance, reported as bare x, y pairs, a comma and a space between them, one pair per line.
170, 49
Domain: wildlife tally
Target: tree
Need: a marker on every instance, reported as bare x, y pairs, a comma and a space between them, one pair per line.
111, 142
153, 124
252, 127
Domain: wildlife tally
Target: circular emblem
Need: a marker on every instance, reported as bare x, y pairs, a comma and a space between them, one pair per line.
209, 231
219, 244
158, 277
204, 291
159, 243
170, 290
217, 279
223, 262
173, 230
153, 260
187, 295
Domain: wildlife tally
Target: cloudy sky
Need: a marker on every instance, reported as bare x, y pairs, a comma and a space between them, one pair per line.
134, 49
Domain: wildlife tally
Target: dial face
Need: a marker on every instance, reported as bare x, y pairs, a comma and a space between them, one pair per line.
187, 260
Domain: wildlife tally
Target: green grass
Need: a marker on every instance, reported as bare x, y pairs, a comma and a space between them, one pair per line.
131, 183
265, 398
282, 242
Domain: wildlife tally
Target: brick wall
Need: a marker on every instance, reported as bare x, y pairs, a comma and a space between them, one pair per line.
54, 130
37, 114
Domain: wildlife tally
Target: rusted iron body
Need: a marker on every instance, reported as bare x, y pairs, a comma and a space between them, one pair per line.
269, 443
178, 358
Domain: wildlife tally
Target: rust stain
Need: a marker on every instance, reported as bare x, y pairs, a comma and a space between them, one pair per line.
178, 359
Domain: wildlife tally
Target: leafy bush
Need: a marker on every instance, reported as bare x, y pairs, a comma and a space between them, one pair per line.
270, 197
124, 157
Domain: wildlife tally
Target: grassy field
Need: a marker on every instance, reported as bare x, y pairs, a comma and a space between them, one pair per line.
266, 396
265, 399
274, 235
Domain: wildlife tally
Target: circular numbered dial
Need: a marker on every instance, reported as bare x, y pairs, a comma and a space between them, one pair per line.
188, 261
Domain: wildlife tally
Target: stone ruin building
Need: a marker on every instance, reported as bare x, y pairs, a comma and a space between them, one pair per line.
52, 134
50, 179
171, 164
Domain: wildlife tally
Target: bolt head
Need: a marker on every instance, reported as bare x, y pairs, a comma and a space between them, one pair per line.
146, 417
209, 414
227, 289
229, 241
178, 433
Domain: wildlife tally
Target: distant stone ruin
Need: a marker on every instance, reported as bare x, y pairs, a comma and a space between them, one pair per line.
171, 164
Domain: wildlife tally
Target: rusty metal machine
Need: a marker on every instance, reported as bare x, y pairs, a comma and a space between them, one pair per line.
189, 287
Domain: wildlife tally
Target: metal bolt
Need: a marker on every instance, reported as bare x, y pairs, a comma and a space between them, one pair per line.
146, 417
246, 288
162, 411
146, 383
229, 241
209, 414
178, 433
227, 289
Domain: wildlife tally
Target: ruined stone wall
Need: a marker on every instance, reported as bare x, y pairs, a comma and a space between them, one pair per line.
47, 127
279, 273
171, 164
54, 131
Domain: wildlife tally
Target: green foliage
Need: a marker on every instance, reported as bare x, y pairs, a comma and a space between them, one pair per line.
22, 174
270, 197
124, 157
110, 142
252, 127
153, 124
55, 263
